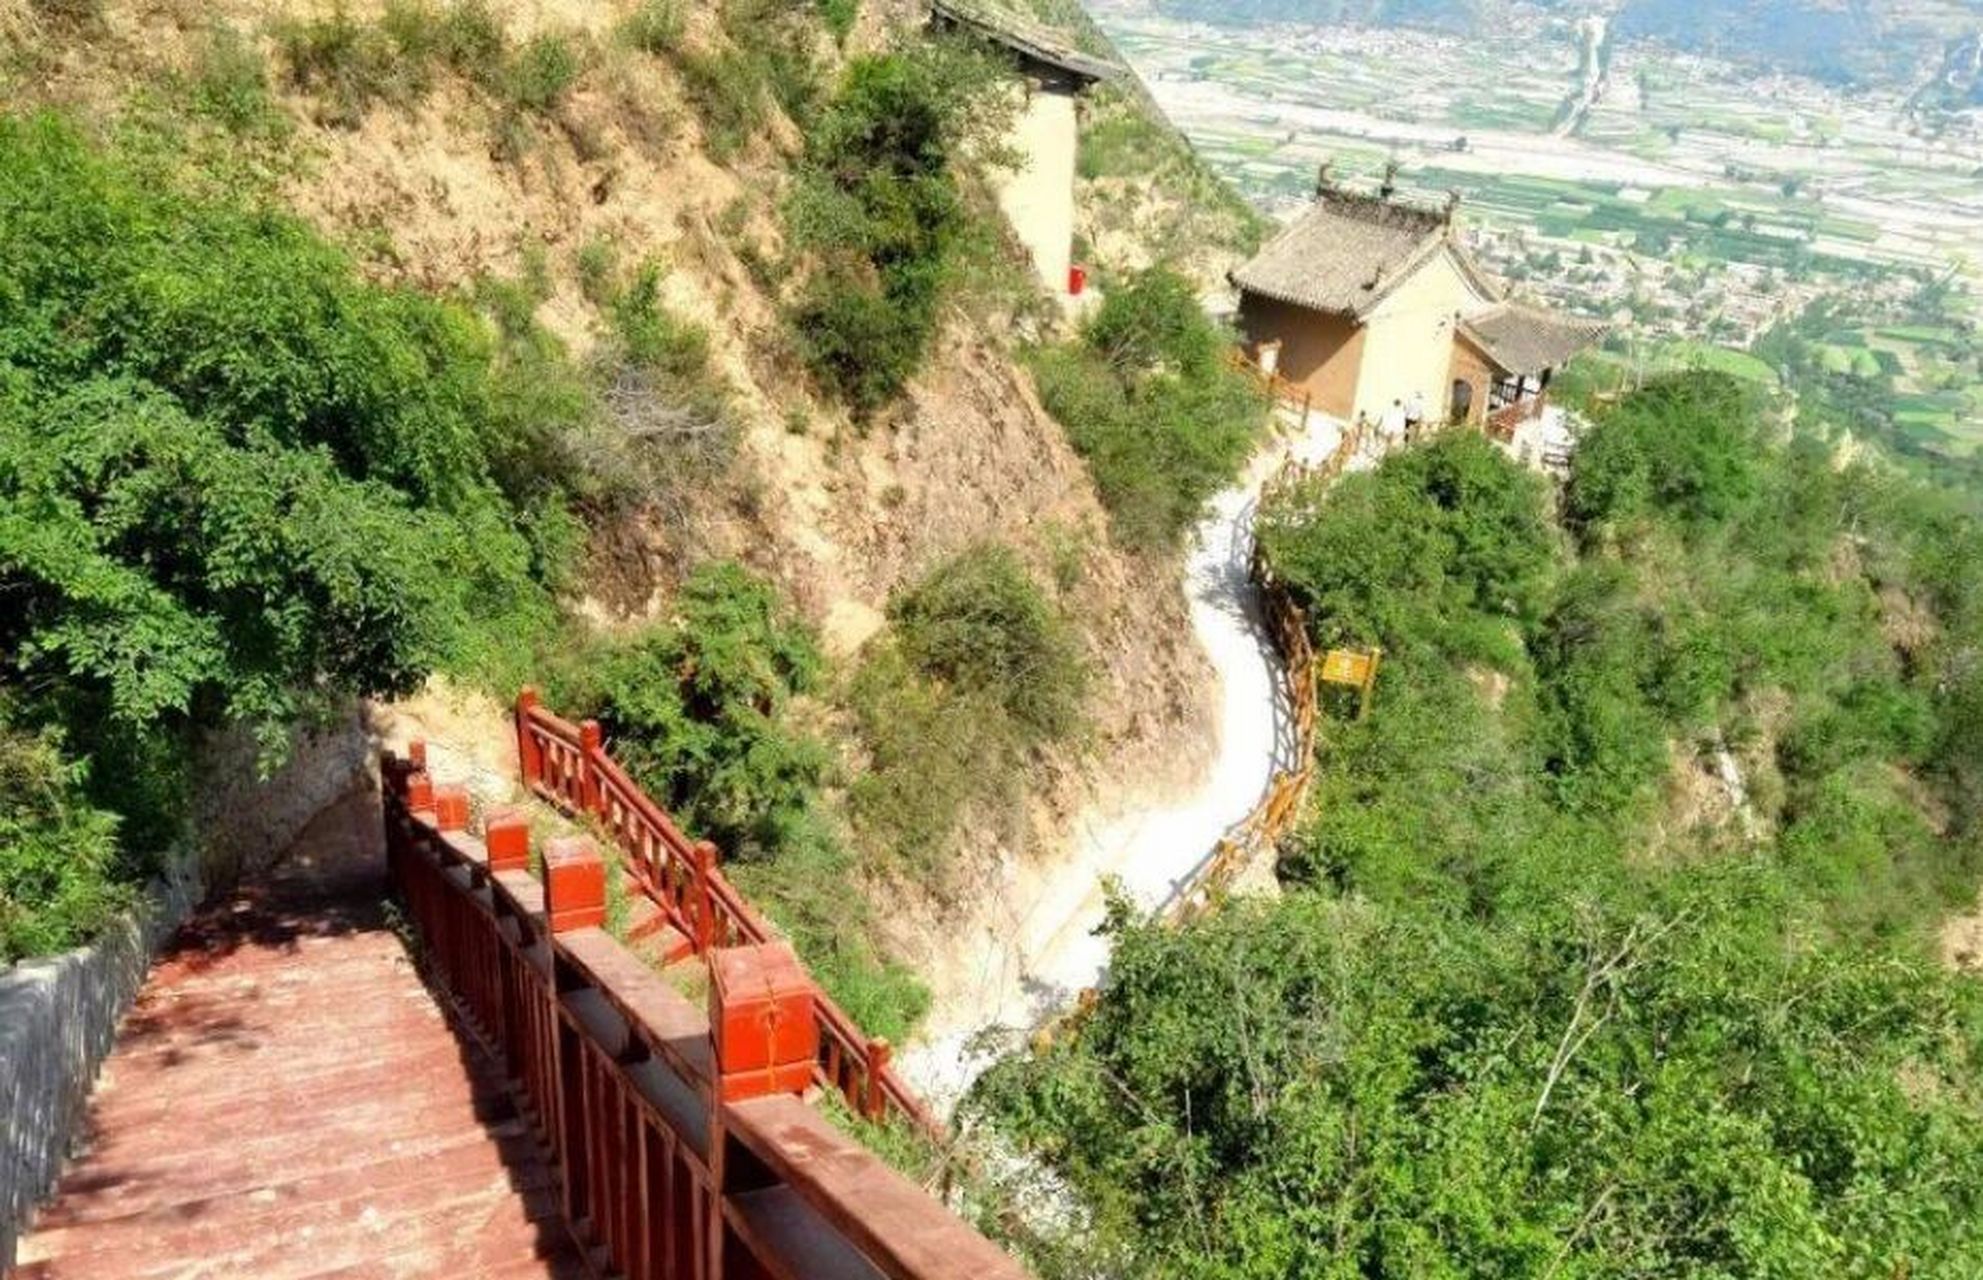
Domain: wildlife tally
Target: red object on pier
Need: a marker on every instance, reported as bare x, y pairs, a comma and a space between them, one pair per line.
451, 807
506, 837
574, 884
761, 1019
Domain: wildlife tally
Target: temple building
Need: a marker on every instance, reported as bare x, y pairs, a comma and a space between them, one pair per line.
1367, 299
1037, 197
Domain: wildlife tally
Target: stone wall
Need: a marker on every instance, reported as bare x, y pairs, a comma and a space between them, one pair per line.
244, 821
58, 1017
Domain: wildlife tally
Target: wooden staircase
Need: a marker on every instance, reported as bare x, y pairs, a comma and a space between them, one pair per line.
287, 1100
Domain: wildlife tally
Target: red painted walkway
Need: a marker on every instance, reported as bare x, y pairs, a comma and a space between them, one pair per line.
287, 1100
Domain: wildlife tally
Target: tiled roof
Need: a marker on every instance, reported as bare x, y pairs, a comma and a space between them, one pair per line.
1023, 36
1348, 251
1523, 339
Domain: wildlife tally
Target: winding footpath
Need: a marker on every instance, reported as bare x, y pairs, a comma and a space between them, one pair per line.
1029, 947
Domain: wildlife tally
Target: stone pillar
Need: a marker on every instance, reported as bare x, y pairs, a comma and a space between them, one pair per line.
506, 837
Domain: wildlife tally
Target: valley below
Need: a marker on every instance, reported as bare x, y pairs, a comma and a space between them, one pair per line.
1694, 201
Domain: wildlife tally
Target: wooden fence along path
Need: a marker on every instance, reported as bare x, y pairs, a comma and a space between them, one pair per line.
1259, 833
568, 765
682, 1147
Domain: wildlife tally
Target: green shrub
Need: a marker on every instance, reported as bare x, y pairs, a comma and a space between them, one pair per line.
1684, 445
1117, 146
1527, 1006
598, 266
776, 40
1423, 551
1435, 1098
230, 84
933, 752
330, 507
979, 667
541, 73
840, 16
59, 873
652, 335
701, 710
1144, 398
655, 27
728, 97
348, 66
879, 204
861, 342
695, 711
979, 624
464, 36
236, 481
469, 39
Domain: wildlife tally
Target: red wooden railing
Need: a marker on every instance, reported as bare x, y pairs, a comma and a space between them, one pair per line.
1503, 422
679, 1153
568, 765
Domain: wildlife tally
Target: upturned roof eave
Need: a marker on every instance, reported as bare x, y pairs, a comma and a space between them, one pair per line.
1584, 332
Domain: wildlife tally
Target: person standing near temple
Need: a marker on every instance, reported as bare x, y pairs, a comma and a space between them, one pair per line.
1391, 426
1415, 417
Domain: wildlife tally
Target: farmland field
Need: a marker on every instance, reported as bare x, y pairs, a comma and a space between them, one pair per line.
1694, 203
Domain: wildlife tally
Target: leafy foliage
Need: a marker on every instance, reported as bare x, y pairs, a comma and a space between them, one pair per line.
59, 880
1514, 1015
230, 85
979, 624
1684, 447
350, 65
980, 667
1146, 400
765, 61
655, 27
704, 712
542, 72
694, 710
233, 477
840, 16
232, 469
880, 207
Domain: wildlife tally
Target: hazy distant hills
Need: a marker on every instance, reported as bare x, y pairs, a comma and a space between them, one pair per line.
1459, 16
1837, 40
1843, 41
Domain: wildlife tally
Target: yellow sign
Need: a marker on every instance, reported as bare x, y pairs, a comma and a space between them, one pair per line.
1358, 670
1340, 666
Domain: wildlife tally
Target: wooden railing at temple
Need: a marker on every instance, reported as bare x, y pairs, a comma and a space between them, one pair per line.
1272, 385
568, 765
1502, 423
682, 1148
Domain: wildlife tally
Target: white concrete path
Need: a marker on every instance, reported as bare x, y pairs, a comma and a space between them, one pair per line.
1026, 951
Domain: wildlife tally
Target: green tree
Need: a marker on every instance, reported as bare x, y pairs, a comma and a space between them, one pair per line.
234, 479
